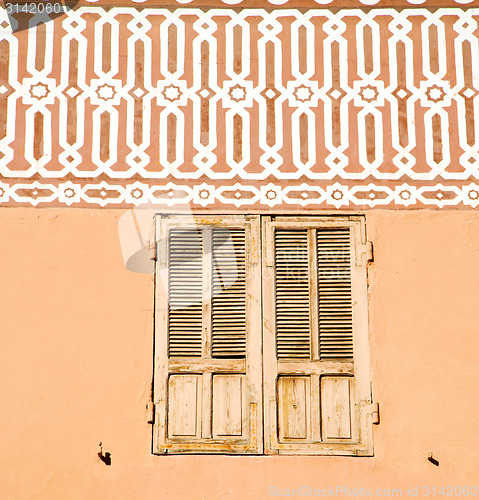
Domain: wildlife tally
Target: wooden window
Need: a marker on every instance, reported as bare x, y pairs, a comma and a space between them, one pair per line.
208, 368
262, 332
315, 336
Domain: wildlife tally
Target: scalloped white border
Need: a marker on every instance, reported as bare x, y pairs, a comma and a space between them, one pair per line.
282, 2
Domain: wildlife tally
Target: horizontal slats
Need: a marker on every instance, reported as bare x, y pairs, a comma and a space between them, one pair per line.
334, 294
292, 293
185, 318
228, 336
293, 333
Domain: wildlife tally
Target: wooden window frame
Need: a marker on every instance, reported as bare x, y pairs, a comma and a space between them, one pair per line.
264, 412
361, 442
204, 369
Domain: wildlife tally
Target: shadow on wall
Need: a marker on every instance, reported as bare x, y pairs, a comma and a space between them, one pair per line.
104, 457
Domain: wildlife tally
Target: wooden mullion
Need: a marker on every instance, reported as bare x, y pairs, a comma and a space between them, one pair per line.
206, 405
361, 388
309, 224
161, 336
254, 373
188, 365
270, 362
308, 367
268, 242
315, 408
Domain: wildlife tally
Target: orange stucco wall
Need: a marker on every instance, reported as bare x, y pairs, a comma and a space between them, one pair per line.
76, 363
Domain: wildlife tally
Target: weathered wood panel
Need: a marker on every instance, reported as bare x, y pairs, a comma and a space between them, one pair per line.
228, 405
183, 405
336, 407
293, 404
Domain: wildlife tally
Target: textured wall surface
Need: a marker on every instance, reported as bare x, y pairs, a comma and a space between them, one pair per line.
245, 109
76, 362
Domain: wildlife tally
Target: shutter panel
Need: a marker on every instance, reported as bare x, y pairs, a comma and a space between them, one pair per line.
315, 336
207, 385
229, 294
334, 294
185, 318
293, 336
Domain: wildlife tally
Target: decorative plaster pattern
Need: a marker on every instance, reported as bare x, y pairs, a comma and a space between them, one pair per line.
310, 4
242, 109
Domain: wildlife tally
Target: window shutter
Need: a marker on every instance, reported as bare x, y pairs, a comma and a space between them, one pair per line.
185, 319
315, 336
293, 339
334, 294
229, 294
208, 391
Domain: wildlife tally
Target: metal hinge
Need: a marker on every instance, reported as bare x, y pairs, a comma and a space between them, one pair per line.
365, 254
369, 251
373, 409
150, 412
152, 248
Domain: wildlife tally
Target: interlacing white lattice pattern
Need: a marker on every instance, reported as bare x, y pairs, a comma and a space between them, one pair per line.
242, 109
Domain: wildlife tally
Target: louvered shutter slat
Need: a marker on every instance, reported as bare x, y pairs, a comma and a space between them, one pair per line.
185, 301
228, 332
293, 337
334, 294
